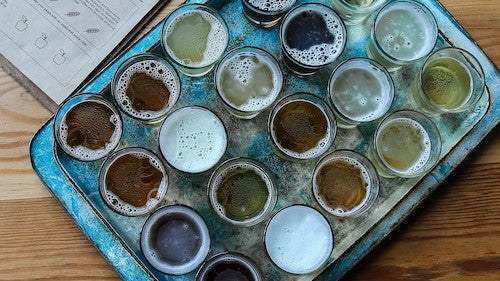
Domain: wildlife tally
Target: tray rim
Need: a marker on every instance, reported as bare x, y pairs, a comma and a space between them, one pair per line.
104, 238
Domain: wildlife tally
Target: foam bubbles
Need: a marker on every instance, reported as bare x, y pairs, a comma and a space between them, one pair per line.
192, 139
272, 5
156, 70
298, 239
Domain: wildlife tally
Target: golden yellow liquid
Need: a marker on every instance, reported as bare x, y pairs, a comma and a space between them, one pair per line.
446, 83
403, 145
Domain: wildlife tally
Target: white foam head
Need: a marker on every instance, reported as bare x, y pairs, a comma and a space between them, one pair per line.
360, 90
272, 5
426, 142
242, 65
299, 239
217, 40
319, 54
84, 153
156, 69
115, 202
192, 139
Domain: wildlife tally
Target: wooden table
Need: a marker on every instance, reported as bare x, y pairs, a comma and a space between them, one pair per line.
455, 235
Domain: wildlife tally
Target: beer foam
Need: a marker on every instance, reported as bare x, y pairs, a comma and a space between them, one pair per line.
84, 153
320, 148
319, 54
217, 40
299, 239
366, 179
426, 142
125, 208
156, 70
365, 93
193, 139
405, 31
220, 177
242, 68
272, 5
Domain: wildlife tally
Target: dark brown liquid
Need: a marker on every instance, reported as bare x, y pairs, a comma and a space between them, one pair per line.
89, 125
133, 179
341, 185
147, 93
228, 271
175, 239
299, 126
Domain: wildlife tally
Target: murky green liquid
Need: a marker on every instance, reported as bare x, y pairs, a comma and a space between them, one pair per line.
243, 193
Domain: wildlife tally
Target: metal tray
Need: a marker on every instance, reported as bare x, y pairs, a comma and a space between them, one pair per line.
74, 183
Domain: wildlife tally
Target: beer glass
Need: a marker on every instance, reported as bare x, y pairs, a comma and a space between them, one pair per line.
355, 12
146, 87
175, 239
266, 13
298, 239
301, 127
403, 32
451, 81
248, 80
345, 183
133, 181
359, 90
194, 37
229, 266
242, 191
406, 144
312, 36
87, 127
192, 139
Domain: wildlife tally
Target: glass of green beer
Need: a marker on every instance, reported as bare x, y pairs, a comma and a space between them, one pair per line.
406, 144
242, 191
451, 81
403, 32
194, 37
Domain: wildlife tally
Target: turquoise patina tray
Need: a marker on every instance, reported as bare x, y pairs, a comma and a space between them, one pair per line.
74, 183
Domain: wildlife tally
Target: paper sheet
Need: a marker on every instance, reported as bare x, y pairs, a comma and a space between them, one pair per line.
57, 43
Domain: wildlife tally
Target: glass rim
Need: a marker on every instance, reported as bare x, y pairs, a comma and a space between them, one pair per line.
199, 107
79, 98
476, 65
434, 136
316, 102
388, 56
188, 213
264, 171
367, 165
363, 60
115, 156
135, 59
359, 9
248, 49
183, 8
295, 11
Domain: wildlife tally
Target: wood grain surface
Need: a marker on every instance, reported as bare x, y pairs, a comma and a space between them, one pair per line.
454, 235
